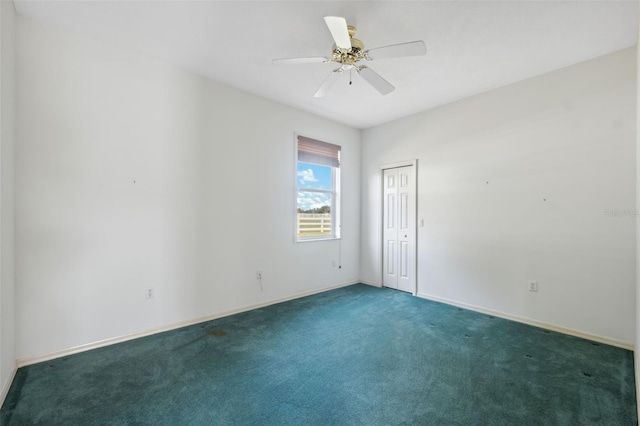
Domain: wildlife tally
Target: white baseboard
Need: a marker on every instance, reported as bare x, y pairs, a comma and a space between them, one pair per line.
572, 332
113, 340
7, 385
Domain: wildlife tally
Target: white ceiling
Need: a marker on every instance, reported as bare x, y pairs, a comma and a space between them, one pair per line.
472, 46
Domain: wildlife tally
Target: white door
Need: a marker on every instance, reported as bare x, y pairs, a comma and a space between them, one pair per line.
399, 233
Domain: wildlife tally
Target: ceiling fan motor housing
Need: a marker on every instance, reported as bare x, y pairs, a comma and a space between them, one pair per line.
350, 56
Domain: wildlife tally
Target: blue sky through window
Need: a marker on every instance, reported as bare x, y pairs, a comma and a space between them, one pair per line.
314, 176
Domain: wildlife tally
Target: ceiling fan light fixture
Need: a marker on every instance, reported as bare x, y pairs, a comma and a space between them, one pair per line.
348, 51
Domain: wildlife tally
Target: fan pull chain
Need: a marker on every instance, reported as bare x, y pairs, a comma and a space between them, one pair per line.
350, 71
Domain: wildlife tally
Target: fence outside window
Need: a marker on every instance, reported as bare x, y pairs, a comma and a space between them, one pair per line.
314, 224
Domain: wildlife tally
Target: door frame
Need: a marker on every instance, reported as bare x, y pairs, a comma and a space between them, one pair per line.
381, 170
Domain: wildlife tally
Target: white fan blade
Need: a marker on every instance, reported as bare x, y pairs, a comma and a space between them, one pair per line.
339, 31
413, 48
327, 84
374, 79
293, 61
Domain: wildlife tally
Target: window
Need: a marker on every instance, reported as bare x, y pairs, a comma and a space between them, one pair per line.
317, 190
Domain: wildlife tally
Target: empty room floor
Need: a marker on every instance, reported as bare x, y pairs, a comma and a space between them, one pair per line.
356, 355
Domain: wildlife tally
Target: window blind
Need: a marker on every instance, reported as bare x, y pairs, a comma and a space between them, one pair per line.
318, 152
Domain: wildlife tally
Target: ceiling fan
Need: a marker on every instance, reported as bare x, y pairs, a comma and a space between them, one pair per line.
348, 52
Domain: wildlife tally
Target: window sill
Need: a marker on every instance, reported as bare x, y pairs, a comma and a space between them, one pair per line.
309, 240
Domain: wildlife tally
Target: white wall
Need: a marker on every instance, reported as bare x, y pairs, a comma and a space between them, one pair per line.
7, 281
132, 173
567, 137
212, 200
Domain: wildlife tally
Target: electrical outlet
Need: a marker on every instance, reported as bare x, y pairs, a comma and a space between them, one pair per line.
149, 293
533, 286
258, 275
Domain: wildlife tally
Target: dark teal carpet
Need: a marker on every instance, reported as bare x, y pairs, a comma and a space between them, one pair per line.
357, 355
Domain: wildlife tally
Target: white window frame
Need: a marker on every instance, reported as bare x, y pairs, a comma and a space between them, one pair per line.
335, 198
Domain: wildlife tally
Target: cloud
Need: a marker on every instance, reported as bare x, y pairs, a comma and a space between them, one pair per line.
306, 176
310, 200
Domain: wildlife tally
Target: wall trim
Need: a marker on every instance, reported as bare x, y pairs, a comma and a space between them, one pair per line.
114, 340
570, 331
7, 385
124, 338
